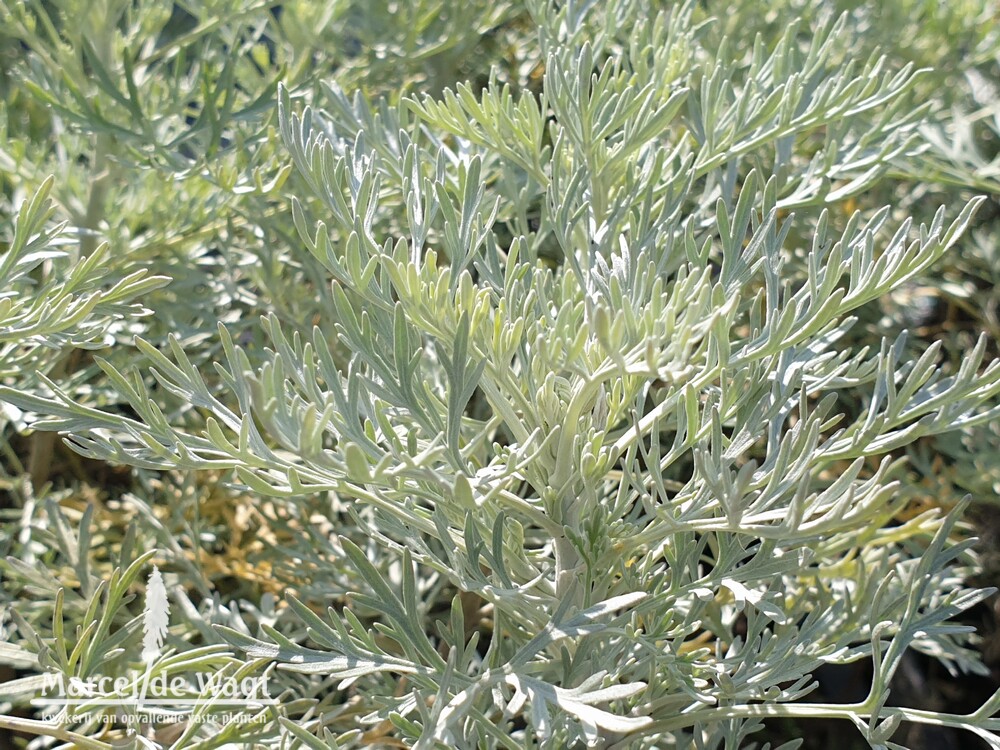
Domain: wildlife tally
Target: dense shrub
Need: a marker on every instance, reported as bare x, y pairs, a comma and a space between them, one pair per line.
493, 375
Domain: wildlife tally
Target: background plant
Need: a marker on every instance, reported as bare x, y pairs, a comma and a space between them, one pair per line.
575, 398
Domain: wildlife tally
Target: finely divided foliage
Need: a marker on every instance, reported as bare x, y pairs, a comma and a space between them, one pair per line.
584, 447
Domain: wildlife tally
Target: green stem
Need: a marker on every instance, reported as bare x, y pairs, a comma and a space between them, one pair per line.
43, 444
848, 711
567, 561
33, 726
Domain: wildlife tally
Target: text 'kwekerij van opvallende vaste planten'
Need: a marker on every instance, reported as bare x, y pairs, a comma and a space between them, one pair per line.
529, 374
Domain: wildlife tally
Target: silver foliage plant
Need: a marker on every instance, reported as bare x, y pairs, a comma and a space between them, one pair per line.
607, 462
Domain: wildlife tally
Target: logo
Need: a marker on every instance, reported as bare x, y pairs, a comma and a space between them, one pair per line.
165, 690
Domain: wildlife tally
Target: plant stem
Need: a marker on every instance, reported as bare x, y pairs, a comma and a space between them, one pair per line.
849, 712
42, 728
43, 444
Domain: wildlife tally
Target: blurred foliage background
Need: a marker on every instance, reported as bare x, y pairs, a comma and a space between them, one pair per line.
157, 120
